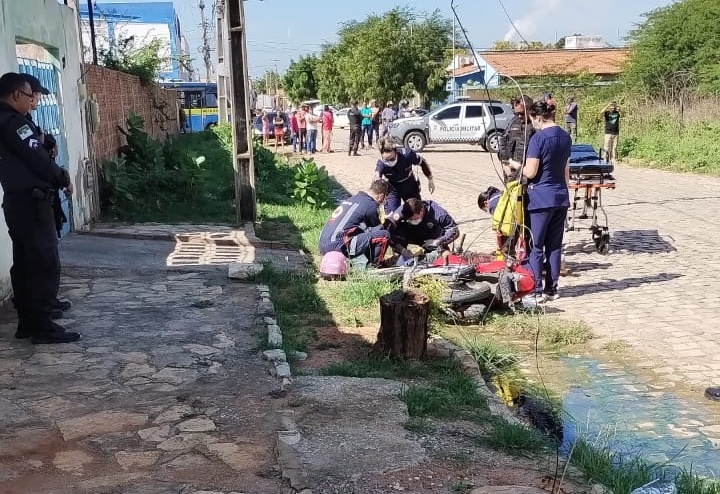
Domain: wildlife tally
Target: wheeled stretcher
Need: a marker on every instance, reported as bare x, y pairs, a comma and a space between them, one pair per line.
590, 175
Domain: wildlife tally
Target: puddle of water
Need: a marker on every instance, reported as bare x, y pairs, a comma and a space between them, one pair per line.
613, 404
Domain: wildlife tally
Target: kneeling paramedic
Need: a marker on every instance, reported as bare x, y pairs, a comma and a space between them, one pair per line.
423, 223
28, 176
354, 227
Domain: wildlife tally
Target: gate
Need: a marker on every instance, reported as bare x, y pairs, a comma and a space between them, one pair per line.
48, 116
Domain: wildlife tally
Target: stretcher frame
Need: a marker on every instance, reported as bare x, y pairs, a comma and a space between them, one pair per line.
587, 189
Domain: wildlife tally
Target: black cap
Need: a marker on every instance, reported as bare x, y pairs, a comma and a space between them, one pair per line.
35, 85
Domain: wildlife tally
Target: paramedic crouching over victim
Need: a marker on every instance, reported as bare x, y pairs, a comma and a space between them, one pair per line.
354, 227
547, 169
396, 166
423, 223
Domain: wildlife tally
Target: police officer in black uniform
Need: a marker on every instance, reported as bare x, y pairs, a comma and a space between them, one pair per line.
28, 175
423, 223
354, 227
50, 145
396, 166
514, 141
355, 123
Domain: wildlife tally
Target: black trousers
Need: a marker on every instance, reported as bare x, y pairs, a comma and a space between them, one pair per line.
355, 138
35, 273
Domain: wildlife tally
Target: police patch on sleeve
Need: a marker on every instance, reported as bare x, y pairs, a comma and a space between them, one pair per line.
33, 143
24, 132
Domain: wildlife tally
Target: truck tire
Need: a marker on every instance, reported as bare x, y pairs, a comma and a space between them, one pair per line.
415, 140
492, 142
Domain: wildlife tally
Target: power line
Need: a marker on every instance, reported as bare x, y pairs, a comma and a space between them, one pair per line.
512, 23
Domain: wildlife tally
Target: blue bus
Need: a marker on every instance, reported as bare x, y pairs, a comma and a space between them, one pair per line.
199, 102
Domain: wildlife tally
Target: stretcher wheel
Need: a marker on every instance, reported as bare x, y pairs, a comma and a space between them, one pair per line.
603, 245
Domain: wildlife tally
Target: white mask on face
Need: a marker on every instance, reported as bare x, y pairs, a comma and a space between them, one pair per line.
390, 163
415, 222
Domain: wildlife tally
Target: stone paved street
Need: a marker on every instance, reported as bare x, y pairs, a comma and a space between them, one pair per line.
165, 393
658, 289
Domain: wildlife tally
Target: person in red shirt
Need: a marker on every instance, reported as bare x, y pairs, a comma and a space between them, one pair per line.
327, 126
302, 127
294, 130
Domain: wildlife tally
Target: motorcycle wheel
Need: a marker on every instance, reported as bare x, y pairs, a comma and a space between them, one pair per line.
480, 292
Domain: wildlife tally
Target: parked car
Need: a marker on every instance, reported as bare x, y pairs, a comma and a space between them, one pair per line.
479, 122
257, 126
341, 119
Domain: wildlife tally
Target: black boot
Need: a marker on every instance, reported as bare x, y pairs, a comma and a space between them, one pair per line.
55, 334
63, 305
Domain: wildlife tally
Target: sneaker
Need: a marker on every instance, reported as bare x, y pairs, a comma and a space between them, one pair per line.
22, 333
532, 301
551, 296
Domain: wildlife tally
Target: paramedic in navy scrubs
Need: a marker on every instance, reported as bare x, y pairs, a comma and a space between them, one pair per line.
396, 166
547, 169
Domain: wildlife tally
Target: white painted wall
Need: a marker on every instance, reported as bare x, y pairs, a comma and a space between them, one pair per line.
54, 26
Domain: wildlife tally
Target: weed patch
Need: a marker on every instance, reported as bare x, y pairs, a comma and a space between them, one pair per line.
493, 358
391, 368
419, 425
513, 438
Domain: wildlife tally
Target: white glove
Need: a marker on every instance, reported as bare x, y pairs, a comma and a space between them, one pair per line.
431, 185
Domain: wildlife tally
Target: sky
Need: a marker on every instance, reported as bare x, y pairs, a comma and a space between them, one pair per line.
281, 30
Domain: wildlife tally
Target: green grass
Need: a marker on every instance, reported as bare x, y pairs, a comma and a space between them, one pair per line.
391, 368
554, 331
616, 346
688, 483
514, 439
419, 425
453, 397
619, 473
492, 357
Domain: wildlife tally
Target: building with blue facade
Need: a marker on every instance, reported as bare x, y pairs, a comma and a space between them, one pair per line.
143, 22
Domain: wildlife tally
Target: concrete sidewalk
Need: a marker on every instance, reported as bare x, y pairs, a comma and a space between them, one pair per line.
164, 393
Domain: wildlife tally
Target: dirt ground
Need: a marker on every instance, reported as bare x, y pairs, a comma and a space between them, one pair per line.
454, 462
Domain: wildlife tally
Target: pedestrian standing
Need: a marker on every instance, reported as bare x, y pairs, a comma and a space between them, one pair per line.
302, 127
355, 123
28, 177
375, 116
571, 112
279, 130
294, 130
611, 116
328, 120
265, 127
311, 122
387, 116
366, 126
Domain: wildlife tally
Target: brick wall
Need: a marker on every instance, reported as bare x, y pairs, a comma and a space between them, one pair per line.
117, 94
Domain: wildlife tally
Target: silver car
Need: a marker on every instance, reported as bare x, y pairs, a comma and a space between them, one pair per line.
476, 122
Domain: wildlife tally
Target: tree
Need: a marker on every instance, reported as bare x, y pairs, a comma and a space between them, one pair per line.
676, 45
387, 56
299, 82
267, 83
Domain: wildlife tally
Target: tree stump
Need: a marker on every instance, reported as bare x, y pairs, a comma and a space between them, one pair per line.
403, 324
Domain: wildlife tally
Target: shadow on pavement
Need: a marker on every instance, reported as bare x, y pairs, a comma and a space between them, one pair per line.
617, 285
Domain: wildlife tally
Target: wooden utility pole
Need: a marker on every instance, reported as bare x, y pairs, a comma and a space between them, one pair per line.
240, 91
206, 43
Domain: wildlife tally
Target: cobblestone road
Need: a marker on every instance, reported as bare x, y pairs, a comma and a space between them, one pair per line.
658, 290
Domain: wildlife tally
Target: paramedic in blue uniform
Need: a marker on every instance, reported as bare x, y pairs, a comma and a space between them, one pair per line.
354, 227
28, 176
547, 169
423, 223
396, 166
